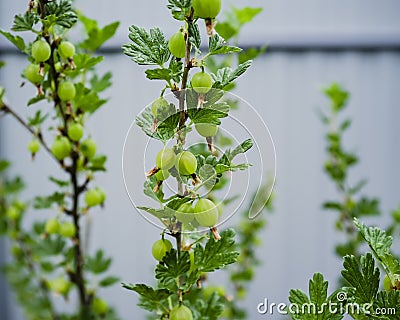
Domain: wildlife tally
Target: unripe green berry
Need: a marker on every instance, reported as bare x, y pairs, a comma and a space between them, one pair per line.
66, 91
165, 159
13, 213
158, 106
186, 163
88, 148
58, 66
52, 226
180, 312
41, 51
32, 74
387, 284
93, 198
67, 230
60, 285
66, 49
201, 82
177, 45
206, 213
75, 132
102, 195
162, 175
61, 148
206, 8
185, 213
33, 146
160, 248
206, 129
100, 306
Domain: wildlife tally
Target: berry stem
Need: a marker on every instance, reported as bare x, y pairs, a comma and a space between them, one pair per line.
8, 110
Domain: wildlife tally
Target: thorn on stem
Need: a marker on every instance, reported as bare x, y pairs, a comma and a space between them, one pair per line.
196, 179
41, 69
72, 63
210, 143
157, 187
152, 172
215, 233
39, 90
210, 27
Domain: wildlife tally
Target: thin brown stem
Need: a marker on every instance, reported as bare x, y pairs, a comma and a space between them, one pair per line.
8, 110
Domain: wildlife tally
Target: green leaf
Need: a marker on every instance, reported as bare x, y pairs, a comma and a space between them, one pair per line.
51, 246
60, 183
36, 99
25, 22
206, 115
176, 69
108, 281
98, 163
208, 175
86, 99
98, 263
218, 45
38, 119
84, 62
15, 40
147, 48
101, 84
174, 72
172, 268
315, 307
4, 165
48, 201
212, 308
151, 299
251, 54
227, 75
194, 32
332, 205
338, 97
179, 8
148, 190
226, 30
61, 14
380, 243
96, 36
164, 130
217, 253
246, 14
158, 74
242, 148
366, 207
363, 276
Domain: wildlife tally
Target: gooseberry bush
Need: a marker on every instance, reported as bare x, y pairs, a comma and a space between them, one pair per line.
191, 102
49, 260
369, 284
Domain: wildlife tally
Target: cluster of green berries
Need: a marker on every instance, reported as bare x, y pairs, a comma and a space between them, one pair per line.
95, 197
62, 147
65, 229
41, 52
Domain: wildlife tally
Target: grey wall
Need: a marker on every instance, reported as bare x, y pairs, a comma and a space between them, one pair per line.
284, 85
